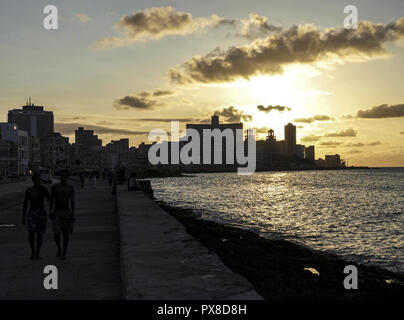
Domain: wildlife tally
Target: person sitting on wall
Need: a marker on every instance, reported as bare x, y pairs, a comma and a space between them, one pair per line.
132, 182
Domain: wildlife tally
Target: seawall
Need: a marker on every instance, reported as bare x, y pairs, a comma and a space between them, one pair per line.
160, 260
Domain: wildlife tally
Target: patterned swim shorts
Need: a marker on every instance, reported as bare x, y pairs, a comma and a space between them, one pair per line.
36, 221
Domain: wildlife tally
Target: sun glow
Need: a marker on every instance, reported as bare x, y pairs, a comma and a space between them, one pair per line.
291, 89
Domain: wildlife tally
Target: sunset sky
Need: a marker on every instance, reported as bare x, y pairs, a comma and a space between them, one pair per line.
125, 67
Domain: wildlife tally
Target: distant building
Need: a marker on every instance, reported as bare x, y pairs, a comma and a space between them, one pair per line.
118, 146
117, 153
271, 138
333, 161
276, 147
38, 123
138, 157
8, 157
309, 153
9, 132
108, 160
215, 124
34, 157
290, 139
33, 119
87, 138
320, 163
300, 150
55, 151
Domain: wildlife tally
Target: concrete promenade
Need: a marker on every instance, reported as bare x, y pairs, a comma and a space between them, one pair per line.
91, 270
123, 247
160, 260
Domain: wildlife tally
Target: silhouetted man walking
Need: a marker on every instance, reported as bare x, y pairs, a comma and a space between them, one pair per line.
35, 198
62, 201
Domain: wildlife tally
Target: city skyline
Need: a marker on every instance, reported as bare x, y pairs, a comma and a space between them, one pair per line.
35, 144
124, 81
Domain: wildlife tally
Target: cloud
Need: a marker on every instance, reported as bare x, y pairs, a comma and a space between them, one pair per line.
317, 117
270, 108
382, 111
161, 92
343, 133
186, 101
338, 134
142, 99
135, 102
82, 17
231, 114
310, 138
330, 143
69, 128
261, 130
110, 42
298, 44
156, 23
360, 144
163, 119
257, 27
105, 123
355, 151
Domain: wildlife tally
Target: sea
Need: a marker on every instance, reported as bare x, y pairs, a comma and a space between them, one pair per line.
357, 214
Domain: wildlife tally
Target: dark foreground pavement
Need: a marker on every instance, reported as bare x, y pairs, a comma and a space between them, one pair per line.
91, 270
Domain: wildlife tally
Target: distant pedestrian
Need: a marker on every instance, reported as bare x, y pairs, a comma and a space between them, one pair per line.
132, 182
95, 180
63, 216
114, 182
36, 217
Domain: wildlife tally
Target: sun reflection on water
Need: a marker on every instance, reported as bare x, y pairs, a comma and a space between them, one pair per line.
355, 213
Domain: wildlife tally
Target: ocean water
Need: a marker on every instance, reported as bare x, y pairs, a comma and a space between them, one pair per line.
357, 214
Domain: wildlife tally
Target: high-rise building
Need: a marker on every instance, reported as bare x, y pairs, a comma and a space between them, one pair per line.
215, 124
299, 151
310, 153
290, 139
33, 119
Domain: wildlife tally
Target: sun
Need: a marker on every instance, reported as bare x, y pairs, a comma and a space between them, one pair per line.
291, 89
271, 89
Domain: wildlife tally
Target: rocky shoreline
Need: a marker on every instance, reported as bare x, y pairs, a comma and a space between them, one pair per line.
281, 270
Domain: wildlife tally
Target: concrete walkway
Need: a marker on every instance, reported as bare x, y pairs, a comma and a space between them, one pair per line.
91, 270
12, 192
160, 260
147, 255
